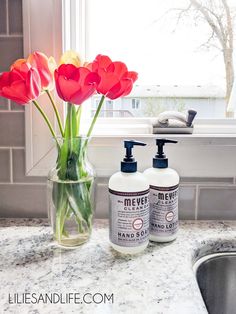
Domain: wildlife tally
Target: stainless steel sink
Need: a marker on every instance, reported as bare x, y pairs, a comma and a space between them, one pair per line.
216, 277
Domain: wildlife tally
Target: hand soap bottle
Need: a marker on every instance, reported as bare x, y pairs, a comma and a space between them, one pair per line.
129, 206
164, 185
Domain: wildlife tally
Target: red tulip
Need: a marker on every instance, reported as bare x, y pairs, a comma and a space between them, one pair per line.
75, 84
115, 79
22, 84
44, 65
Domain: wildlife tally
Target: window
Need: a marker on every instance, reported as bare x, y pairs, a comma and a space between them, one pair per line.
107, 109
171, 46
135, 103
155, 95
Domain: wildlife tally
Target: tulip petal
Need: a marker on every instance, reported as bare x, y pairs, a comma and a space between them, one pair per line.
118, 67
103, 61
127, 86
40, 61
131, 75
92, 78
67, 87
4, 79
67, 70
16, 74
17, 64
90, 66
80, 74
108, 80
33, 84
71, 57
16, 92
81, 95
123, 88
115, 91
56, 77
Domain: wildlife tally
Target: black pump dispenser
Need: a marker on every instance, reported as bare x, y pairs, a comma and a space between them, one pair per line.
129, 164
160, 160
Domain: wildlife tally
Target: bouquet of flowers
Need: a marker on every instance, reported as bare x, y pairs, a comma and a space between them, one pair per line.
71, 181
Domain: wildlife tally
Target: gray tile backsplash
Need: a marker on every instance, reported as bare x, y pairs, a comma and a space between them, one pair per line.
3, 17
11, 49
195, 202
16, 107
101, 200
5, 166
12, 129
187, 202
208, 180
23, 200
3, 103
21, 196
18, 166
217, 203
15, 16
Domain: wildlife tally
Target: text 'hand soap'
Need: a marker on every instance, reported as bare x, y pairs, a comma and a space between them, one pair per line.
129, 206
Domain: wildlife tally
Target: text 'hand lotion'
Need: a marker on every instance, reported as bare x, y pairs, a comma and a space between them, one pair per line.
164, 187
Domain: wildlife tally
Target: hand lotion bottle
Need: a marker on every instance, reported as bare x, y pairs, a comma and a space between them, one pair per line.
164, 185
129, 206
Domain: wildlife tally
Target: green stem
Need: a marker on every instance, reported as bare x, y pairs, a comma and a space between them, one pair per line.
96, 115
56, 112
78, 117
69, 113
46, 119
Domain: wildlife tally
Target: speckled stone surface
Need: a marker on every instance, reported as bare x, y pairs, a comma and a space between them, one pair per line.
161, 280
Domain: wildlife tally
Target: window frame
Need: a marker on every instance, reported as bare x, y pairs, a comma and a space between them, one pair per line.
37, 17
79, 29
210, 134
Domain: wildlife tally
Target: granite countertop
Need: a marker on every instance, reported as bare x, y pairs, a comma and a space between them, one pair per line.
160, 280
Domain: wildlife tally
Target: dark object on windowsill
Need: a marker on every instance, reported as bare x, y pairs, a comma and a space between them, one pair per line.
174, 122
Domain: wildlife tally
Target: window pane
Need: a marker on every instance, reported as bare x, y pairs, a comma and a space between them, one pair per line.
176, 54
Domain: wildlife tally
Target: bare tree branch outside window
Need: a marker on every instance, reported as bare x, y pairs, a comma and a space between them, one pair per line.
220, 17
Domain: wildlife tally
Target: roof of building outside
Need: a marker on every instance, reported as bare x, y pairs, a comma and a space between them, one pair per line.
177, 91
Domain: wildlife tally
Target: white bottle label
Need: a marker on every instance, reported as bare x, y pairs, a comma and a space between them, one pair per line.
163, 210
129, 217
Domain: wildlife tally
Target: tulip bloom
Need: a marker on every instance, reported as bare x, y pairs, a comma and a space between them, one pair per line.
115, 79
75, 84
22, 84
71, 57
44, 65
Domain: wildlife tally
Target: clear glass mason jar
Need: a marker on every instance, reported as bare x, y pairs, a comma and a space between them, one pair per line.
71, 192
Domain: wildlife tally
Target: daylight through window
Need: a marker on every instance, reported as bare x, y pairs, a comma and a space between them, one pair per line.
183, 62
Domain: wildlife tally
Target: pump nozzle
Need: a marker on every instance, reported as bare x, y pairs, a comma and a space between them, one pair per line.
129, 164
160, 160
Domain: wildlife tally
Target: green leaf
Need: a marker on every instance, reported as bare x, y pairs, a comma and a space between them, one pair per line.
80, 201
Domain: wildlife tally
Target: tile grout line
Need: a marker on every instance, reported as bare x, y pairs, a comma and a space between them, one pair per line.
11, 35
196, 202
12, 111
7, 17
15, 147
24, 183
11, 166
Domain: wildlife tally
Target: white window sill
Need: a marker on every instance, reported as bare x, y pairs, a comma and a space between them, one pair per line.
194, 155
137, 126
202, 139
